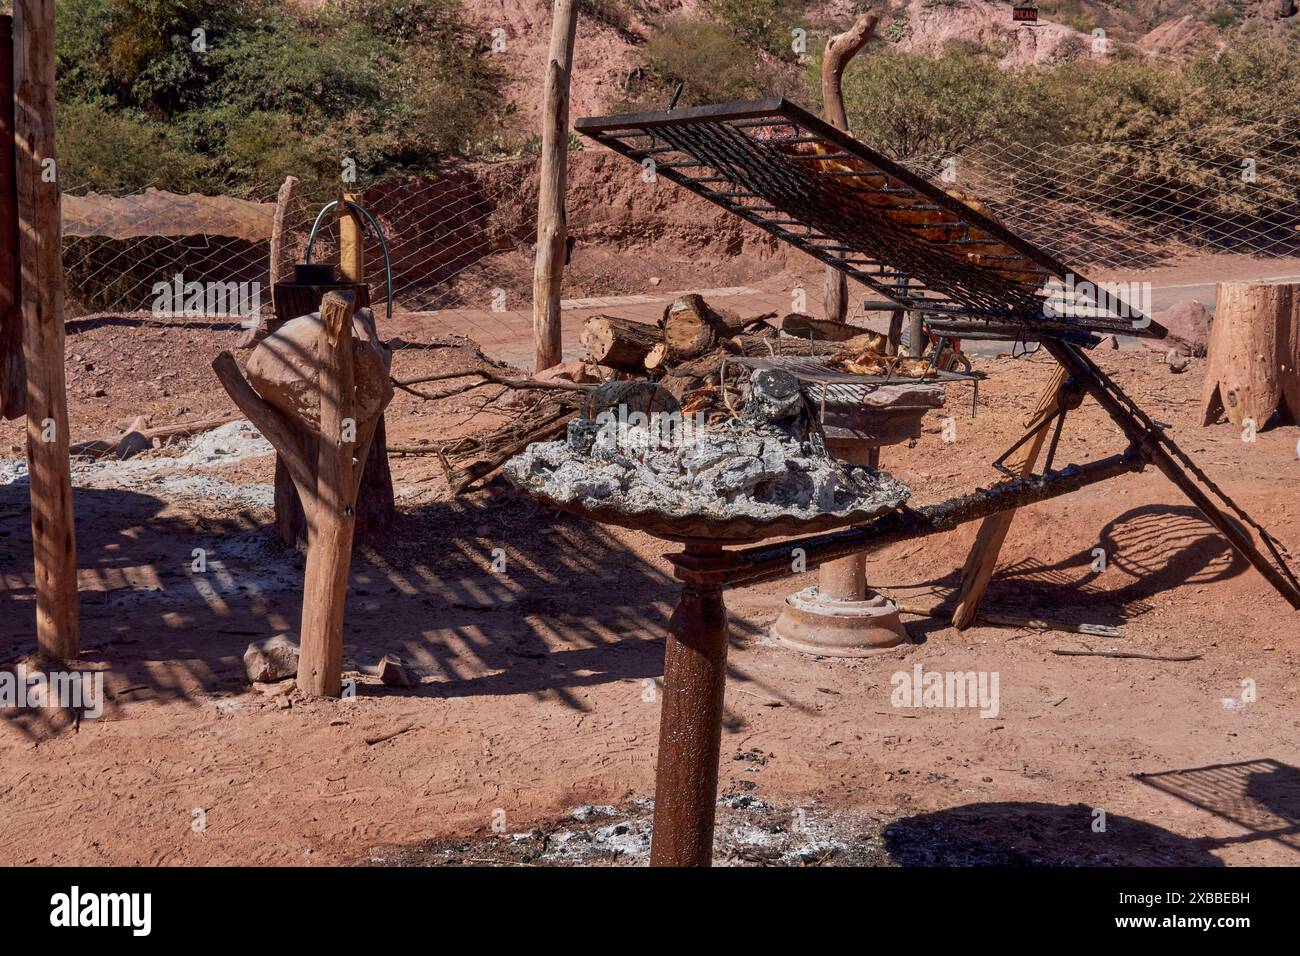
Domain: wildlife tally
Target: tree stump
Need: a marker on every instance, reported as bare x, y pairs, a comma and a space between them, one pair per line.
1253, 361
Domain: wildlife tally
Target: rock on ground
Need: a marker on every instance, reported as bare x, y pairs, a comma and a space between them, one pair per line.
272, 660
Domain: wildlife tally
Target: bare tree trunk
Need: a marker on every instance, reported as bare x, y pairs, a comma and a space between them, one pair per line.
53, 530
1251, 367
326, 469
840, 49
552, 229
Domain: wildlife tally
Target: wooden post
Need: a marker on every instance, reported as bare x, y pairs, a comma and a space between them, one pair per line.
690, 720
352, 247
1252, 366
279, 266
53, 529
13, 380
281, 262
326, 468
840, 49
552, 229
983, 557
332, 517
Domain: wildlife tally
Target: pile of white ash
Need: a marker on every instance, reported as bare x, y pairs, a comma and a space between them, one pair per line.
634, 451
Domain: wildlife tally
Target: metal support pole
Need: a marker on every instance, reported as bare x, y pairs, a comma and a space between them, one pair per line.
690, 724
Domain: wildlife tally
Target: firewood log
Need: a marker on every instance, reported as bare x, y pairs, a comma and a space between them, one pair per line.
692, 327
617, 343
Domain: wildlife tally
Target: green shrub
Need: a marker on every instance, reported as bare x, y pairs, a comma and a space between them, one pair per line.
765, 24
714, 64
396, 85
925, 109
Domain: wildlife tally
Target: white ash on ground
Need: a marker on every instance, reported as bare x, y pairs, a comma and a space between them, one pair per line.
642, 455
168, 474
748, 832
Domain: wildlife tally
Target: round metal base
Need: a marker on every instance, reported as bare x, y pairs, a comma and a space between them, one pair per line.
816, 624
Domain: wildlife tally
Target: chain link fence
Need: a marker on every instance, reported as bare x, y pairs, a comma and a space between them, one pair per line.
459, 252
460, 243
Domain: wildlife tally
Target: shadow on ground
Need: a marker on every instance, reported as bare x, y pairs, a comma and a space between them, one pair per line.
486, 595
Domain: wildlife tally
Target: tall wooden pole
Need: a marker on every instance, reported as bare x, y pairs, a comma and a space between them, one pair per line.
552, 229
839, 50
281, 268
53, 531
13, 388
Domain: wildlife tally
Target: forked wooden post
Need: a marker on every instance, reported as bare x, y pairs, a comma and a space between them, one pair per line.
552, 229
39, 237
326, 467
983, 557
840, 49
332, 517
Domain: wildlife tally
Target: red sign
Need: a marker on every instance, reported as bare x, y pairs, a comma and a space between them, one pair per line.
1025, 14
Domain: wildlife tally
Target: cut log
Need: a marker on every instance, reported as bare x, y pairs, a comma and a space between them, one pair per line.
692, 327
1253, 362
620, 344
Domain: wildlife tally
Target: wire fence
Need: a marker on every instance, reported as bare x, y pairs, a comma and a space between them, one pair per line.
460, 243
459, 251
1139, 204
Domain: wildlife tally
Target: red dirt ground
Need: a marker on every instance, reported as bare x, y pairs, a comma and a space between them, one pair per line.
539, 685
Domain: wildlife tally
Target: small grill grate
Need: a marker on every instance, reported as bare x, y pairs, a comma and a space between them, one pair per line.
831, 387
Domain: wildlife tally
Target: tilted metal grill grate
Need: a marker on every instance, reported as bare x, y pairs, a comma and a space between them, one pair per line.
798, 178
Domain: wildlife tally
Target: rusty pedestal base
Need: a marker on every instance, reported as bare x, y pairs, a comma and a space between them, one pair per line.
840, 617
816, 623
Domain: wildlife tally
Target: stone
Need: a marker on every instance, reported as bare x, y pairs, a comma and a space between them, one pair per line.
393, 673
1188, 323
581, 435
273, 660
573, 370
284, 369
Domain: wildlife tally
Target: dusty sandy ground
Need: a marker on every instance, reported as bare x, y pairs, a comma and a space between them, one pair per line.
540, 690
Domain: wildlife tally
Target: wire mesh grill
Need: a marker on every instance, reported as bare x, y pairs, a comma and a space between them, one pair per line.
787, 172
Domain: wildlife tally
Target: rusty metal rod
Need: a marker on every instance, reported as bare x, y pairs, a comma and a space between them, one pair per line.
771, 562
